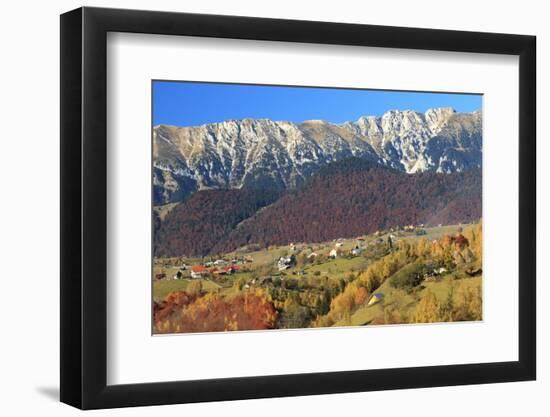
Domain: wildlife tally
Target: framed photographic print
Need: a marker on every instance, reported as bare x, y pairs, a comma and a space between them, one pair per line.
258, 208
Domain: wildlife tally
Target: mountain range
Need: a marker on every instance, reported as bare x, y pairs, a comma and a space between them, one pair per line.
255, 154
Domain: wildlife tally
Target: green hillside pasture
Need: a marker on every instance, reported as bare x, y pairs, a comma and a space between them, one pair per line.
335, 269
164, 287
405, 303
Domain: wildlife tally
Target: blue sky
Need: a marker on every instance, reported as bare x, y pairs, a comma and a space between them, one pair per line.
191, 104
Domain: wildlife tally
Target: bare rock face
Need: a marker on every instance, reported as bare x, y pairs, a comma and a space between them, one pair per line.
261, 153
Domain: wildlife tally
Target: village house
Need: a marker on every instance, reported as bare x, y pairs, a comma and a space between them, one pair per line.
199, 271
376, 298
286, 262
431, 276
228, 270
356, 251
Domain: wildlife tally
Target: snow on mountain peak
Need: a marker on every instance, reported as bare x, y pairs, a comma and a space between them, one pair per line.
437, 117
279, 154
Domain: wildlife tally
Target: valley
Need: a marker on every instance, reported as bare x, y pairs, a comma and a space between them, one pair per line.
421, 274
271, 224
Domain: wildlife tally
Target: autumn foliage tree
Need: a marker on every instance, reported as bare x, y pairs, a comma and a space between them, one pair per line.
428, 309
212, 312
469, 304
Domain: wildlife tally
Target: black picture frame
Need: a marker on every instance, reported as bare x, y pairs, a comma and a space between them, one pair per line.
84, 207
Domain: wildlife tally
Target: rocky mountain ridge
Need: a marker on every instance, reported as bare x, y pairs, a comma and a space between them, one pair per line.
266, 154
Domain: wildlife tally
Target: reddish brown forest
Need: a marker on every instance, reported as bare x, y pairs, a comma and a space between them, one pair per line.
345, 199
356, 197
207, 217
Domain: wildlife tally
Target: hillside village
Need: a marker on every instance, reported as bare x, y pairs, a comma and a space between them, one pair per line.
381, 278
228, 265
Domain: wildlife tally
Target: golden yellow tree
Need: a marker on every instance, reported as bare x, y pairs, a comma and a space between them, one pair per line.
422, 247
469, 305
427, 310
